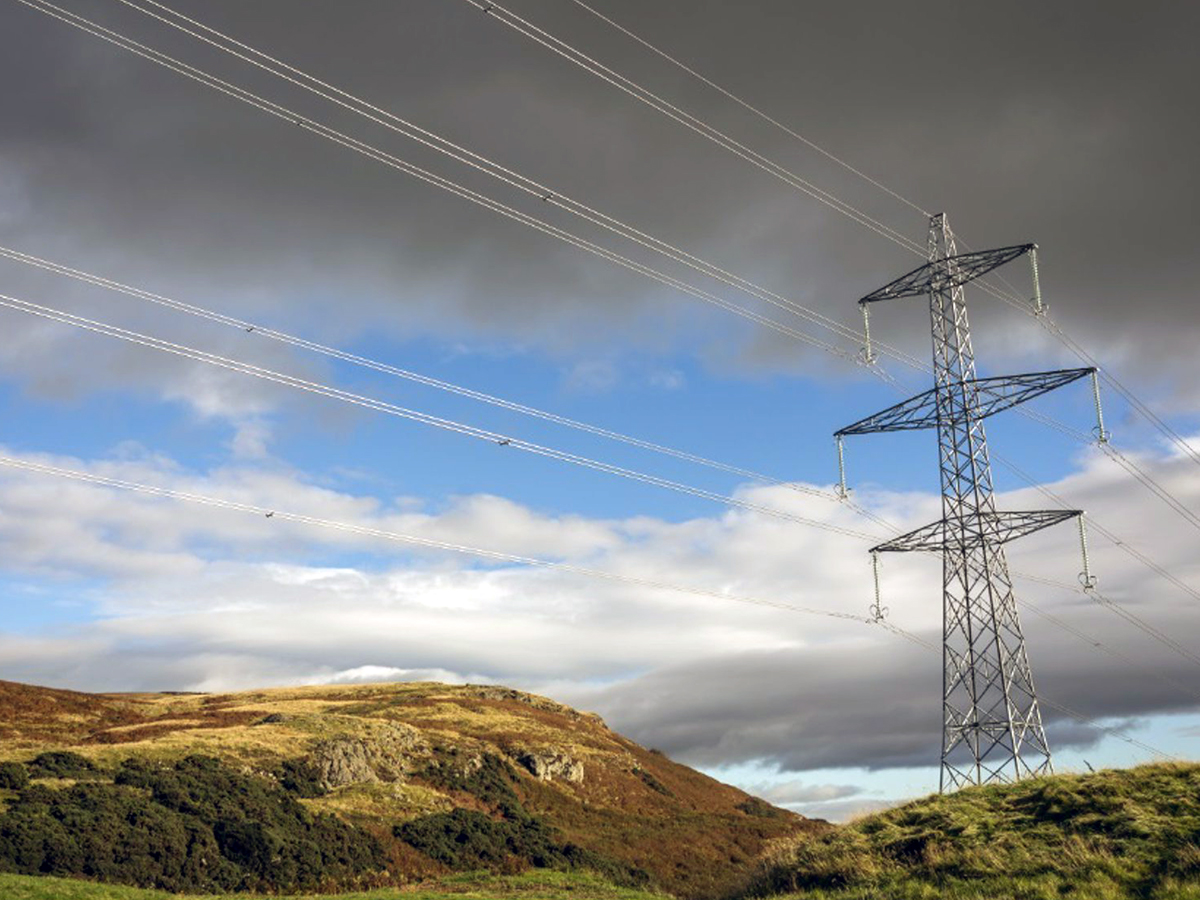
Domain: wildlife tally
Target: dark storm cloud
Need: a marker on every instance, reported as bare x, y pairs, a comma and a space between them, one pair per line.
1066, 124
871, 707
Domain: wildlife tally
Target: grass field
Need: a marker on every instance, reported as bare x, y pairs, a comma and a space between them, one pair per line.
531, 886
1131, 834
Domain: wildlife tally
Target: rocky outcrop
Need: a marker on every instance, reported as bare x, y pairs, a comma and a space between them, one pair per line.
388, 753
494, 692
550, 765
342, 761
394, 749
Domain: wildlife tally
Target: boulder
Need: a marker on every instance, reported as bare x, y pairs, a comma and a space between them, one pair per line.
550, 764
342, 761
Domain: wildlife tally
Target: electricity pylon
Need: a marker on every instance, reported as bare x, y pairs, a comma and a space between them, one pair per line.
992, 726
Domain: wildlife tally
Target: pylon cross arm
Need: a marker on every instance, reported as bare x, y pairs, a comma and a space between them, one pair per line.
991, 395
975, 529
944, 274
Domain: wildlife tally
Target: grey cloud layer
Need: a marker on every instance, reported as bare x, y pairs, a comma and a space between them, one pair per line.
1058, 125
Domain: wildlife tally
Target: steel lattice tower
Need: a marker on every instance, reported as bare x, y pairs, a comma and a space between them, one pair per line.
992, 726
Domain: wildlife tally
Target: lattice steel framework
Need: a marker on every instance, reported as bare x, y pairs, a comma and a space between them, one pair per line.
992, 726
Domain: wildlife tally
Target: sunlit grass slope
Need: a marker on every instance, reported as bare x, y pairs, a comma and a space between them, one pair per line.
1132, 833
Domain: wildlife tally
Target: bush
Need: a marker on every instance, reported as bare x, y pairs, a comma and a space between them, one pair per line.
61, 764
464, 839
491, 782
196, 825
13, 776
300, 777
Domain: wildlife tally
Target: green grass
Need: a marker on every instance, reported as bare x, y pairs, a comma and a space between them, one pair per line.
1129, 834
471, 886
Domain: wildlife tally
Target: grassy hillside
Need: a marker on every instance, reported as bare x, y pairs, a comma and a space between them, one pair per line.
356, 786
1131, 833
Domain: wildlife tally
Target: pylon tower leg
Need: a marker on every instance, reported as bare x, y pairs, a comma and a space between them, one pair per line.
992, 726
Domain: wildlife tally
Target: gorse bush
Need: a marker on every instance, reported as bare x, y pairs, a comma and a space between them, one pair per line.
487, 778
13, 776
466, 839
61, 764
196, 825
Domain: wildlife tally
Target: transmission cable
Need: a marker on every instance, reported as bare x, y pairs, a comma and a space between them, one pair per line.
482, 164
477, 161
751, 108
577, 57
331, 134
493, 437
384, 117
1096, 644
249, 327
1099, 528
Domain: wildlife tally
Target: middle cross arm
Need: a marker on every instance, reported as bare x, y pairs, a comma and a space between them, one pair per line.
995, 394
990, 527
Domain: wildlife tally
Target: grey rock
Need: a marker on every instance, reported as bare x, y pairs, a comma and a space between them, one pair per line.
342, 761
549, 765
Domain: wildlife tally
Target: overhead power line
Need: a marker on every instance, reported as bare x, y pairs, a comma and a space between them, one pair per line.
425, 175
268, 106
502, 440
642, 94
1046, 701
481, 163
500, 556
356, 104
260, 330
812, 145
377, 114
1100, 529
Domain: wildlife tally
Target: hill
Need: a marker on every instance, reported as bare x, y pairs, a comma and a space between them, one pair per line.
356, 786
1130, 833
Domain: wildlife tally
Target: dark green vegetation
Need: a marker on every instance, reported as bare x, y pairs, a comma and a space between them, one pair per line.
196, 825
467, 839
1131, 833
61, 764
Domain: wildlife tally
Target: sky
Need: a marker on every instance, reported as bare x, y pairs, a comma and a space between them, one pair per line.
1064, 125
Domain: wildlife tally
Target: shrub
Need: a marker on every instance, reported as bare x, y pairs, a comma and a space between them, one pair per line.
13, 776
300, 777
491, 781
195, 825
465, 839
754, 806
61, 764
